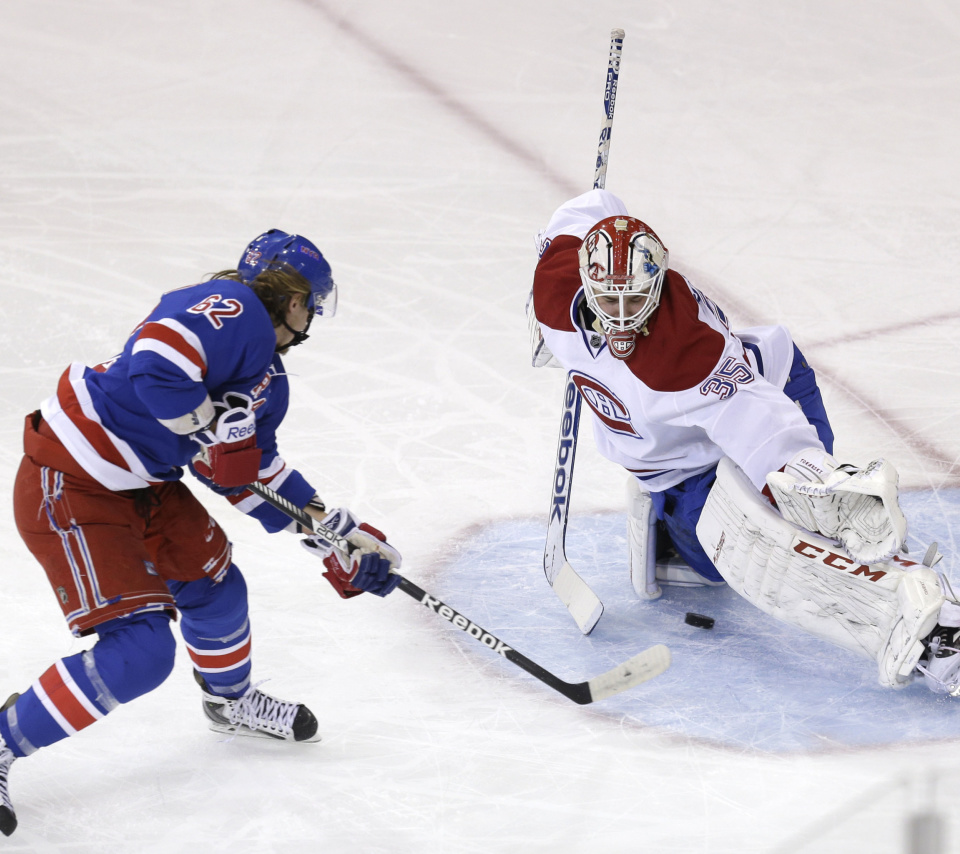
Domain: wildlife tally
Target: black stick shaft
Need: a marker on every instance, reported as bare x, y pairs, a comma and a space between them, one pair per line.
579, 692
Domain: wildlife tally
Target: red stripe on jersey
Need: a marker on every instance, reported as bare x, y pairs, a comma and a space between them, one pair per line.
680, 351
218, 565
92, 431
174, 340
212, 660
63, 698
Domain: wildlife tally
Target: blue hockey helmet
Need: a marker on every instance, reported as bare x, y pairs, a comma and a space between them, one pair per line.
276, 249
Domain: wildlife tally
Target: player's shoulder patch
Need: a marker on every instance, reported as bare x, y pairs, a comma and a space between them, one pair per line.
681, 350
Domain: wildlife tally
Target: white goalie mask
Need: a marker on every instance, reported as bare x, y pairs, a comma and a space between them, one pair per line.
622, 266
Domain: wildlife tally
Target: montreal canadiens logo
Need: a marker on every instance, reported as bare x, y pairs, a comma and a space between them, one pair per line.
605, 404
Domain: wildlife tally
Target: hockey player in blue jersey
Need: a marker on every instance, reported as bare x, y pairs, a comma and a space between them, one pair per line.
126, 546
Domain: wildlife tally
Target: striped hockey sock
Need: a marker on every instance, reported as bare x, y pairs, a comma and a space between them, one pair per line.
223, 662
63, 701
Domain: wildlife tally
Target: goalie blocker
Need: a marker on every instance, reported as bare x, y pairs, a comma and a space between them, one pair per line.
883, 611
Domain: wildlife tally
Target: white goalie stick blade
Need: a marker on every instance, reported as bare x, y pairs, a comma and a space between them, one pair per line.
643, 666
583, 604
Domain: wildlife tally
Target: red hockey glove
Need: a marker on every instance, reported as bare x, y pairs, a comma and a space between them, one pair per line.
368, 564
229, 455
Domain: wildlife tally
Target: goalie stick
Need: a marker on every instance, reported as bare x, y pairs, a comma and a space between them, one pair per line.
609, 102
583, 604
642, 667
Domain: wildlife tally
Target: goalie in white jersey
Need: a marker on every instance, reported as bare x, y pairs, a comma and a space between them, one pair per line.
708, 421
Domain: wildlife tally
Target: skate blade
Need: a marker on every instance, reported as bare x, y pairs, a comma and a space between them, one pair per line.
262, 734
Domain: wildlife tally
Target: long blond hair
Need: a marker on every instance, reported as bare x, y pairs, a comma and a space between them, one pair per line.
274, 288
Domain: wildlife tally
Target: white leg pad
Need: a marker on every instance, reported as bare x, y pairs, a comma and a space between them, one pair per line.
642, 538
810, 582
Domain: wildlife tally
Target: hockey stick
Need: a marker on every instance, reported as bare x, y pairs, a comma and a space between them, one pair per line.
583, 604
643, 666
609, 102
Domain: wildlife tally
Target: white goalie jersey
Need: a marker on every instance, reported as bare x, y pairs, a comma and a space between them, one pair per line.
692, 392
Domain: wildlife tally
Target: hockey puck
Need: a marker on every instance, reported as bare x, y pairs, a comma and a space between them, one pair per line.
698, 620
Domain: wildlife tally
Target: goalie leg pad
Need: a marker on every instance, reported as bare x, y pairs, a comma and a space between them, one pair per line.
806, 581
648, 571
642, 539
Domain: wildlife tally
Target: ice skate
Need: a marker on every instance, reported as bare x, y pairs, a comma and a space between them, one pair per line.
940, 665
258, 714
8, 818
673, 571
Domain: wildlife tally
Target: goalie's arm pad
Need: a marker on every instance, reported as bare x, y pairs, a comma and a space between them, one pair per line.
540, 355
857, 507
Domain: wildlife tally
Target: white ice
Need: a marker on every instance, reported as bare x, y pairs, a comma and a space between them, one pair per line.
800, 161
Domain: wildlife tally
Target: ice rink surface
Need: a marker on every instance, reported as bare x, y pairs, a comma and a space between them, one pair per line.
800, 162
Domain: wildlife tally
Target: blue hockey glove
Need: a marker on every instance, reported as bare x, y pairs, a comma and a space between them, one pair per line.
367, 565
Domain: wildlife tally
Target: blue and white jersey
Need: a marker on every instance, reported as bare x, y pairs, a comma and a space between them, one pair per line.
203, 340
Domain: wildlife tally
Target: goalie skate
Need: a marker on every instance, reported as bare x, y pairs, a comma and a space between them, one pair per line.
940, 664
258, 714
673, 571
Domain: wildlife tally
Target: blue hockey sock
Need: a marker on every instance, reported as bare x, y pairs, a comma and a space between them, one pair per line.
216, 630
